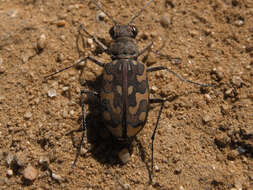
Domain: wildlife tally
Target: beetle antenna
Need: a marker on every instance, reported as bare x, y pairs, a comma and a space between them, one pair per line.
139, 13
109, 16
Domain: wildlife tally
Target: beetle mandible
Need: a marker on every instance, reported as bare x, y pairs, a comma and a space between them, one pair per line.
124, 95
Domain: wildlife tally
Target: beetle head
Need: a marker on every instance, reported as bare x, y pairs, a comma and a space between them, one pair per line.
123, 31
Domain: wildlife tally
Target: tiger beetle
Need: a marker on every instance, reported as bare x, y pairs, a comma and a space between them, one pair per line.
124, 94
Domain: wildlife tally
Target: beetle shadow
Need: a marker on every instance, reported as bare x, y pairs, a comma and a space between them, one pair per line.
98, 141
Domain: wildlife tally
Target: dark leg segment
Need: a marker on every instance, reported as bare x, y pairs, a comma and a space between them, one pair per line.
148, 47
151, 101
83, 124
78, 62
152, 69
104, 47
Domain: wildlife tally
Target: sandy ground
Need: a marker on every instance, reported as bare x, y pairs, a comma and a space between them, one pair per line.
205, 137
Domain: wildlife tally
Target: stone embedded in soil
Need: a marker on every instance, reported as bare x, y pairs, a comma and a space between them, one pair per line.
208, 97
9, 173
59, 57
41, 43
157, 169
57, 177
10, 158
100, 16
165, 21
124, 155
2, 69
28, 115
30, 173
60, 23
217, 73
44, 161
51, 93
206, 118
237, 81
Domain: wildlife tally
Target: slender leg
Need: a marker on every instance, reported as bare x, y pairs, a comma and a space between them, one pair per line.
78, 62
84, 125
152, 69
151, 101
104, 47
145, 49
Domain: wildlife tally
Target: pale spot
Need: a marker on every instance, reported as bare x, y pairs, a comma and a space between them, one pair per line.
142, 116
119, 89
130, 90
107, 116
133, 109
131, 132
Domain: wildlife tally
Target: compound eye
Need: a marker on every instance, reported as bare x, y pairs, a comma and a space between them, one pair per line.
135, 31
111, 32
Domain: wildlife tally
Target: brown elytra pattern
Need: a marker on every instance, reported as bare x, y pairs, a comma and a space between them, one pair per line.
136, 98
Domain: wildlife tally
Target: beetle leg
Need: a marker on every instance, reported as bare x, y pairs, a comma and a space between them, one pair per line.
96, 40
83, 127
145, 49
152, 69
78, 62
151, 101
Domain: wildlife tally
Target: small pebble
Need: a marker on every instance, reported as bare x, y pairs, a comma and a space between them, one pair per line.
241, 150
51, 93
2, 69
28, 115
165, 21
194, 33
208, 97
100, 16
124, 155
229, 92
218, 73
2, 98
9, 173
206, 118
72, 112
60, 23
126, 186
30, 173
176, 61
44, 161
157, 169
65, 88
237, 81
153, 89
57, 177
59, 57
239, 22
10, 158
41, 43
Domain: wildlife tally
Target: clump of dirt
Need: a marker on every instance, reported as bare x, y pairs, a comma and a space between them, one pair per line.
205, 135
